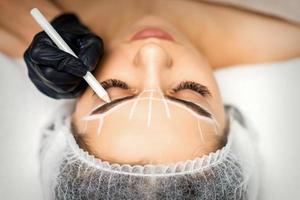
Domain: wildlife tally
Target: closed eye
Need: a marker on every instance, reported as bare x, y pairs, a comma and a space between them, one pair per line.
110, 83
191, 85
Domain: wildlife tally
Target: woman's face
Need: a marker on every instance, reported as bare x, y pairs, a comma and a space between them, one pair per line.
165, 104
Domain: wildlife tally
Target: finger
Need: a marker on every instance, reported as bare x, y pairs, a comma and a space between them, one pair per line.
50, 75
59, 95
54, 89
56, 83
41, 86
45, 53
58, 77
91, 50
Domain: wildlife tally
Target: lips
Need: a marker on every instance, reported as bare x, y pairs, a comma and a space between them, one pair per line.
152, 33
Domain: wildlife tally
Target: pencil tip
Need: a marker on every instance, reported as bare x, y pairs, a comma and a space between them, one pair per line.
106, 98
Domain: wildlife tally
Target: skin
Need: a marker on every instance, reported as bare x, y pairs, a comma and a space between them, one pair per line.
209, 37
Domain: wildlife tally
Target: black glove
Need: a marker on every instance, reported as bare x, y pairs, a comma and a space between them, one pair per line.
55, 72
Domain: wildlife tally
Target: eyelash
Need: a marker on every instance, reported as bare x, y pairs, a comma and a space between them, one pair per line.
191, 85
114, 83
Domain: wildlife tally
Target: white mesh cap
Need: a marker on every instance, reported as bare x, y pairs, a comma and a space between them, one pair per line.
69, 172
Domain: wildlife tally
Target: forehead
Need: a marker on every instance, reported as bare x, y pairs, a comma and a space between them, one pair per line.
149, 127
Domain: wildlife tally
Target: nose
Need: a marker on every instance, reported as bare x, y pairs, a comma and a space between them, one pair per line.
154, 61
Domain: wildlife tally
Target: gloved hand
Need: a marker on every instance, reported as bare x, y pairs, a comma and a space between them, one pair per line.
55, 72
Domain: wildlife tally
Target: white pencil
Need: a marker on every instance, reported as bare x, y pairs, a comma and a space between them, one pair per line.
61, 44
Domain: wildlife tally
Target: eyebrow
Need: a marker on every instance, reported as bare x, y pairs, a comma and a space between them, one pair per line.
111, 104
197, 108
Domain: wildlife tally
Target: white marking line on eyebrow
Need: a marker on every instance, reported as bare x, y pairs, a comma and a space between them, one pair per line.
200, 130
100, 125
150, 109
167, 108
216, 126
191, 111
134, 105
91, 117
212, 121
95, 108
166, 105
96, 116
85, 126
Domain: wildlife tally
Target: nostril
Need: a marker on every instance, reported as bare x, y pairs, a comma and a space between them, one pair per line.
152, 55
